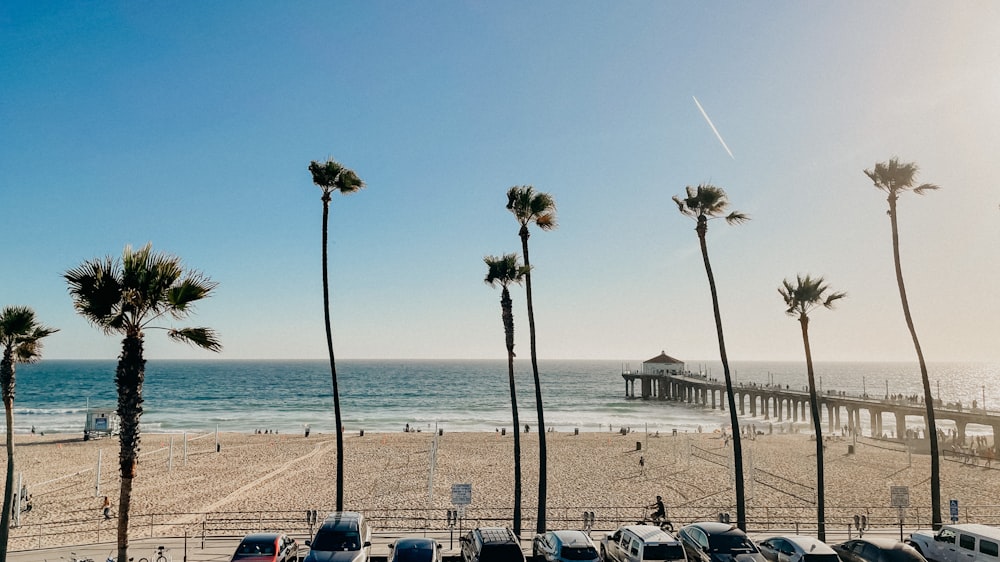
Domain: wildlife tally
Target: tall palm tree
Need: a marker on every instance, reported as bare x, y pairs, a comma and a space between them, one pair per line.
703, 203
530, 206
801, 298
896, 178
126, 297
330, 176
502, 271
21, 338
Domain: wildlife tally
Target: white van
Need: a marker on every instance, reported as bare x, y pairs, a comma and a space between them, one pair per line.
969, 542
641, 543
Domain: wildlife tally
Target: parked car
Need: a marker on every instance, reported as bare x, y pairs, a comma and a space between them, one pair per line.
564, 546
718, 542
266, 547
417, 549
491, 544
876, 549
641, 543
796, 548
968, 542
344, 536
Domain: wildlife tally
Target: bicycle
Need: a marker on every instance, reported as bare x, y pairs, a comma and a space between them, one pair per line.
661, 522
159, 556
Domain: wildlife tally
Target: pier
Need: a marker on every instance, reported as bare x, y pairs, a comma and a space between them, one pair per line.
783, 404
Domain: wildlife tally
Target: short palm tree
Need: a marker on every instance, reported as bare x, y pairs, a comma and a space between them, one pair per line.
530, 206
127, 297
702, 204
896, 178
801, 298
502, 271
330, 176
21, 338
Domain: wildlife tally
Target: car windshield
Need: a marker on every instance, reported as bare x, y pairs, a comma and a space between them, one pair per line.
663, 552
414, 555
730, 542
249, 548
334, 539
501, 553
579, 553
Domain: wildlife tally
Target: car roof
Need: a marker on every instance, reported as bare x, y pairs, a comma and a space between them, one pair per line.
884, 543
650, 533
808, 544
495, 534
415, 542
715, 528
261, 537
573, 538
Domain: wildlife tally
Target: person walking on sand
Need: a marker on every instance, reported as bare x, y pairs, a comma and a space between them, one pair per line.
642, 464
106, 507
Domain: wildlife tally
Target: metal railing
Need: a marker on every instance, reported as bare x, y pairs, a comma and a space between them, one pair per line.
204, 525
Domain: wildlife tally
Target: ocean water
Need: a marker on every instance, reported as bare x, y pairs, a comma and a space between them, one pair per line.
457, 395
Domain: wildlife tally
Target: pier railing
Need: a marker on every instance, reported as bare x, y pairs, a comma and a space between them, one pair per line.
221, 524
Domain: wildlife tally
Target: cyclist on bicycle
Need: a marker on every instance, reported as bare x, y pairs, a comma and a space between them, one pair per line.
660, 515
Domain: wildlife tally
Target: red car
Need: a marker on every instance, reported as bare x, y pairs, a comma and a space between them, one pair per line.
266, 547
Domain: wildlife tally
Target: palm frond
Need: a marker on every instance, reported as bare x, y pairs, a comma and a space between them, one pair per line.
205, 338
190, 289
96, 291
530, 206
21, 333
737, 217
925, 187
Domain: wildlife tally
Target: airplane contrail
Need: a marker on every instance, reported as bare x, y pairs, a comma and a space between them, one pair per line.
714, 130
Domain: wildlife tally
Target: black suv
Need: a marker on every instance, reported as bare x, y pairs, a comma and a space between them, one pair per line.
491, 544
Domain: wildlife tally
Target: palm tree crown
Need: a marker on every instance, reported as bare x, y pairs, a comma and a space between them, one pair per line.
504, 270
530, 206
807, 294
22, 334
144, 286
894, 178
331, 176
707, 201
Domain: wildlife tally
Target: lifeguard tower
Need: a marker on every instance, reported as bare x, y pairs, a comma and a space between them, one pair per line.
101, 423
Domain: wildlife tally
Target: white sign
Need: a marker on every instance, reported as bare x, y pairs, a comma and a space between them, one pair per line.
900, 496
461, 494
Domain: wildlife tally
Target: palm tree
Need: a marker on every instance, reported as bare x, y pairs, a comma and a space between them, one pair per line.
21, 338
502, 271
126, 297
895, 178
330, 176
530, 206
701, 204
801, 298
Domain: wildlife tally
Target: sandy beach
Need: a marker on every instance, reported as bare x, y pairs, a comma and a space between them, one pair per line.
388, 474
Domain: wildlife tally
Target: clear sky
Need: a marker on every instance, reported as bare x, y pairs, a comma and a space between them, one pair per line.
191, 125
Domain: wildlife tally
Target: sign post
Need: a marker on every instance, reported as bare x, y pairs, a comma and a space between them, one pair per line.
900, 497
461, 496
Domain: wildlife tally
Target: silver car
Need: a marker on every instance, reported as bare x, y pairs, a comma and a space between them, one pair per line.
564, 546
796, 548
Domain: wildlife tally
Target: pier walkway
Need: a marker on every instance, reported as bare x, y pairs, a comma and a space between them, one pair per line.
778, 404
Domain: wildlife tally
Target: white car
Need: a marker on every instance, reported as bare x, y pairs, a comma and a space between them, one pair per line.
796, 548
967, 542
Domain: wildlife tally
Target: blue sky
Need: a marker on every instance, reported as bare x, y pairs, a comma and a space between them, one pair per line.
191, 126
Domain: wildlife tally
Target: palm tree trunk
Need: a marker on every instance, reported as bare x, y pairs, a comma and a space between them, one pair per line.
128, 380
508, 324
818, 429
542, 456
7, 378
932, 436
741, 518
333, 363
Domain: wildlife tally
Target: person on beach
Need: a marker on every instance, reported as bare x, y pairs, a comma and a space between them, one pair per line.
660, 514
106, 507
642, 464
